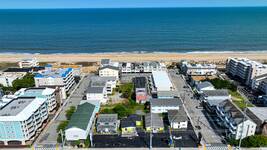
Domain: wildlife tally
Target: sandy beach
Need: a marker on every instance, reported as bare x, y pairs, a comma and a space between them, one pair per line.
131, 57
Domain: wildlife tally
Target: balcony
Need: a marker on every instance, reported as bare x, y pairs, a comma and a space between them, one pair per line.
232, 131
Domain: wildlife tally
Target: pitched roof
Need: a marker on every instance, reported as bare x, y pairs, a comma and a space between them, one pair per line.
219, 92
177, 115
165, 102
167, 94
107, 118
105, 61
130, 121
127, 122
156, 120
139, 82
94, 89
233, 111
259, 112
109, 67
82, 116
97, 81
204, 85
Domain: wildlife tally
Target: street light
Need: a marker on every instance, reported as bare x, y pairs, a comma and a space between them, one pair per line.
243, 124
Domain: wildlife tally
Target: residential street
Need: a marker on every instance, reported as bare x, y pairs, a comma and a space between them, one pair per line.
197, 115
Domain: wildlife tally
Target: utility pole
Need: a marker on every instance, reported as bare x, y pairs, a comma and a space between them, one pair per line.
150, 147
62, 139
243, 124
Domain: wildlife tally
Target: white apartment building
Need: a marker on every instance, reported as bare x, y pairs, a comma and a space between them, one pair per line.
4, 100
51, 77
109, 71
257, 81
143, 67
245, 69
154, 66
198, 69
162, 85
97, 93
108, 82
7, 78
238, 124
21, 119
28, 63
178, 118
163, 105
47, 93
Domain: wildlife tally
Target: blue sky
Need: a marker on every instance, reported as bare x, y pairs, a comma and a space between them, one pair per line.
6, 4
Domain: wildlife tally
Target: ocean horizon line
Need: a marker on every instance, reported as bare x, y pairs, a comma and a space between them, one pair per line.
170, 7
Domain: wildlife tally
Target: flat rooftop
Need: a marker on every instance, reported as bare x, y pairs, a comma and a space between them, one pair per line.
12, 74
162, 81
54, 73
16, 106
33, 92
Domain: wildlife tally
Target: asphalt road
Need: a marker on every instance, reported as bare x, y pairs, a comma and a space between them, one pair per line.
143, 140
198, 118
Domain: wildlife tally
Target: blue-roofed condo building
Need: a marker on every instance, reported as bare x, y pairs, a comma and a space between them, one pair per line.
21, 119
56, 78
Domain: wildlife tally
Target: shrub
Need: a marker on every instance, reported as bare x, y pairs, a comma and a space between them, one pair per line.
121, 110
70, 111
222, 84
251, 141
26, 82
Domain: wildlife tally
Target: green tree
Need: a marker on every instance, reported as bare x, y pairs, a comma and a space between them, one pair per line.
222, 84
26, 82
69, 112
62, 126
121, 110
107, 111
251, 141
126, 90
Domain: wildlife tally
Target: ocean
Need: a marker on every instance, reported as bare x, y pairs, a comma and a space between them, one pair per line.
137, 30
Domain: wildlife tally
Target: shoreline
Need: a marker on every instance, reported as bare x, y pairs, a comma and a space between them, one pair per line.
141, 52
132, 57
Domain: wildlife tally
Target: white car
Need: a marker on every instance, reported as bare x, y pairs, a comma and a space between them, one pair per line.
177, 138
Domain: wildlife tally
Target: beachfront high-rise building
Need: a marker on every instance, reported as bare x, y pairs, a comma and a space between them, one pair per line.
28, 63
52, 77
245, 69
20, 120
